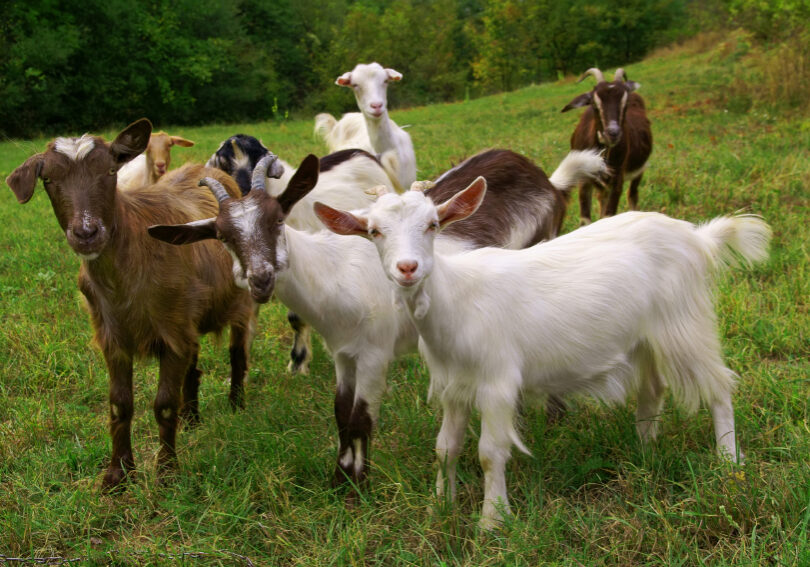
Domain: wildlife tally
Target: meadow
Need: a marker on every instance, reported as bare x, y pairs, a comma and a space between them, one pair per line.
253, 486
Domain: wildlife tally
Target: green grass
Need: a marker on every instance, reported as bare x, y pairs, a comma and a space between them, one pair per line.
255, 483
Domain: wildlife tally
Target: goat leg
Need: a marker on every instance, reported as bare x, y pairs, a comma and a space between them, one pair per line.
585, 203
240, 343
632, 193
122, 462
301, 352
610, 205
173, 369
190, 410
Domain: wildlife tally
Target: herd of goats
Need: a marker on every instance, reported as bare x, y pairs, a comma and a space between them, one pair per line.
467, 268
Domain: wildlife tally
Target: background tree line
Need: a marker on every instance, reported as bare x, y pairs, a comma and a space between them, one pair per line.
77, 65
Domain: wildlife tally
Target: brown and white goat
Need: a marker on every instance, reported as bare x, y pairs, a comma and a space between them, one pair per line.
361, 327
144, 298
615, 122
152, 164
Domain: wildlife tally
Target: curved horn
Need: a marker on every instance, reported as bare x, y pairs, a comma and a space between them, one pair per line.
377, 191
216, 188
597, 74
422, 185
268, 166
620, 75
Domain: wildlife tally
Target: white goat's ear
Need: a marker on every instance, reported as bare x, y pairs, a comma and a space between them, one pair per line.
184, 233
345, 80
632, 85
341, 222
393, 75
462, 204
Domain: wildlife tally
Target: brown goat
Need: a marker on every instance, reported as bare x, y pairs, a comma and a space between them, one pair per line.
152, 164
616, 123
145, 298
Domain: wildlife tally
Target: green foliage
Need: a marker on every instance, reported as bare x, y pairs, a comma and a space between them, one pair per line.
82, 65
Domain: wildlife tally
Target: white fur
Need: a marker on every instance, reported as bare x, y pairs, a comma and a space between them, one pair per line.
371, 129
75, 148
621, 306
342, 187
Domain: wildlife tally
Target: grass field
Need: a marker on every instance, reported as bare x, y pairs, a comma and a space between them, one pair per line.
252, 486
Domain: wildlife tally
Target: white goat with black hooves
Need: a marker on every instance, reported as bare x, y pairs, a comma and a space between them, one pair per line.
623, 305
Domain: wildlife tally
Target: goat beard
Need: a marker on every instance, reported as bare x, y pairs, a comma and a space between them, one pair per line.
417, 301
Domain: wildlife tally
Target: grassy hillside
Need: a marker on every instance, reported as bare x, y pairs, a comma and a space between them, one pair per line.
254, 484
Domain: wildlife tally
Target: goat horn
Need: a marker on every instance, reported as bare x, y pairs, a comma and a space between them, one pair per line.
268, 166
422, 185
597, 74
377, 191
216, 188
620, 74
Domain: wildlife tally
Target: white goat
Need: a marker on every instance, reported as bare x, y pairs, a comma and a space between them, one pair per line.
371, 129
152, 164
619, 306
337, 285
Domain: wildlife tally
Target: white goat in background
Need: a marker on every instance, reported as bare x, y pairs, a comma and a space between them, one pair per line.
621, 306
370, 129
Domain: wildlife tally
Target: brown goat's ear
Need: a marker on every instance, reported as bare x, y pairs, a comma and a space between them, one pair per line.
131, 142
341, 222
23, 180
462, 204
302, 182
578, 102
184, 233
178, 141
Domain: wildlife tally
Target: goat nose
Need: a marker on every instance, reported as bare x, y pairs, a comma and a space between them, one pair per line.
407, 267
261, 282
85, 230
376, 105
613, 130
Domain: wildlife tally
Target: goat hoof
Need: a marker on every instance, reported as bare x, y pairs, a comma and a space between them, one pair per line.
114, 478
191, 419
299, 362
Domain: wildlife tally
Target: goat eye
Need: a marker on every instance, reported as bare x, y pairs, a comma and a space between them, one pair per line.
374, 233
433, 227
112, 171
46, 180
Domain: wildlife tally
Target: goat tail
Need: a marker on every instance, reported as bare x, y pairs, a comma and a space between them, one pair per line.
390, 163
324, 124
736, 240
577, 167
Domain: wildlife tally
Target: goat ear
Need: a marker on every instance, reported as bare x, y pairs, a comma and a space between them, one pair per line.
632, 85
578, 102
302, 182
462, 204
184, 233
341, 222
345, 79
131, 142
23, 180
393, 75
178, 141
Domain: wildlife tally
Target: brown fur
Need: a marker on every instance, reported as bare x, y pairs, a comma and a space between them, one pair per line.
145, 298
629, 154
512, 181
